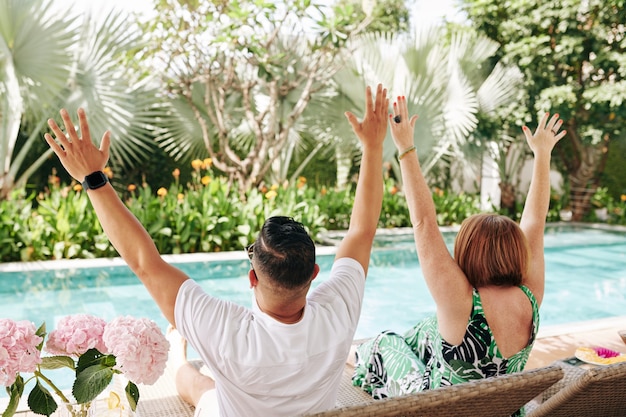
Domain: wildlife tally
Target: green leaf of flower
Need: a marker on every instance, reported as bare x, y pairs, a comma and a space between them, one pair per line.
87, 359
132, 394
41, 332
15, 392
56, 362
41, 401
90, 382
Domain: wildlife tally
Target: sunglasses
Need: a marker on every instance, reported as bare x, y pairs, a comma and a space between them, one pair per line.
250, 251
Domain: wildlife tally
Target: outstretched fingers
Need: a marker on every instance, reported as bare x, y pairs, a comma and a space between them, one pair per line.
63, 141
382, 103
547, 134
542, 124
69, 126
352, 119
552, 123
56, 148
401, 112
84, 125
105, 143
369, 104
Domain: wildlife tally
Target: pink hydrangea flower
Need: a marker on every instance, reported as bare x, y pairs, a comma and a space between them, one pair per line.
139, 346
76, 334
18, 349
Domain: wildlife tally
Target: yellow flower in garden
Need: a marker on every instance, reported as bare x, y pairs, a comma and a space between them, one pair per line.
301, 182
180, 196
323, 191
394, 190
207, 163
54, 180
131, 187
176, 173
196, 164
622, 197
438, 191
162, 192
274, 187
271, 194
108, 172
77, 187
206, 180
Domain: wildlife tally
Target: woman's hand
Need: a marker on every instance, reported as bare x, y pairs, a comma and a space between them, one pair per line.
546, 135
401, 126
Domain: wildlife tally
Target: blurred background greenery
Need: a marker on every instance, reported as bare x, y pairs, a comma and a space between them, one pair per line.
260, 88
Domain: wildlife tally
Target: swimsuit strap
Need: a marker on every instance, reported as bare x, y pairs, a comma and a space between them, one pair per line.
535, 306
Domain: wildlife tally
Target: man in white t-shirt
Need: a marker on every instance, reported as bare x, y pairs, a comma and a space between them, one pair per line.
284, 356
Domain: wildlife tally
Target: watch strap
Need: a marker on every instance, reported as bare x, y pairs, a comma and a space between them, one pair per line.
95, 180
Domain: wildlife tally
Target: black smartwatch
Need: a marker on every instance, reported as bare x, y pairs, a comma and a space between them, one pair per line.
95, 180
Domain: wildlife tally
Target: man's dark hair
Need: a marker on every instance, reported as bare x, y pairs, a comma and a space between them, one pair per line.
285, 252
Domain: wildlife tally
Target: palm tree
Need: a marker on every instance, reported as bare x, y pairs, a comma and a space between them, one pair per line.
51, 60
34, 52
443, 80
240, 76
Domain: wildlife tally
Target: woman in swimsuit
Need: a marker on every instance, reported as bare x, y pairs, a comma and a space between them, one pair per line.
487, 296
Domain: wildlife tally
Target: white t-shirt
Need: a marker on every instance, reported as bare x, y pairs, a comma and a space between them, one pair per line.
263, 367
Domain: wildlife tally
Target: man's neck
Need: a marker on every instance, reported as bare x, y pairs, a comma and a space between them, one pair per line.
287, 319
285, 314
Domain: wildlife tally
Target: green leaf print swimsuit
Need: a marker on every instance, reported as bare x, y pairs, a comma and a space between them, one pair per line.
390, 364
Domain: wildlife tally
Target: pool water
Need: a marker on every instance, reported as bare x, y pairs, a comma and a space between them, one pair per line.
585, 279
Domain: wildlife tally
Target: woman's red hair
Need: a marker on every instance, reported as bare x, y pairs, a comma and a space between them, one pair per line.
492, 250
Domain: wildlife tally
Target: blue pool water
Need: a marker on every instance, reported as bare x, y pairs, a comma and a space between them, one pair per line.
586, 279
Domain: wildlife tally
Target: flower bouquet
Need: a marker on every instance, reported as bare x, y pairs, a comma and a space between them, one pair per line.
94, 349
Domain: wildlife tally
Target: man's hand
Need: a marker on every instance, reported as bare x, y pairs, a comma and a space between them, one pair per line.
79, 156
373, 128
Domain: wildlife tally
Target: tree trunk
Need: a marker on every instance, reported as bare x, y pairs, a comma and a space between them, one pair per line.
584, 179
507, 197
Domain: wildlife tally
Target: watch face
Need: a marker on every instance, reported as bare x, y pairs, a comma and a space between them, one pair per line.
95, 180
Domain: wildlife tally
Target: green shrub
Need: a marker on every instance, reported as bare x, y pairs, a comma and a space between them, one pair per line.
205, 215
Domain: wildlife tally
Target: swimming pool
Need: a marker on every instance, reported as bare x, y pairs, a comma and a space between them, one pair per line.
586, 279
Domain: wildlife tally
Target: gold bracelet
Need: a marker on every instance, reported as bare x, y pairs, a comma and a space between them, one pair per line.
412, 148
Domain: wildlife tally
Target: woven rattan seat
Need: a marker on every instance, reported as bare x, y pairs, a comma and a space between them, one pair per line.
490, 397
597, 392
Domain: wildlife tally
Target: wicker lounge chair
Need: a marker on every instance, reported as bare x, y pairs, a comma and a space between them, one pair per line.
600, 391
162, 400
491, 397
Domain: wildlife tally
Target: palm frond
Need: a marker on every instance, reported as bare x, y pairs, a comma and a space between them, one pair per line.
40, 41
112, 100
500, 87
180, 134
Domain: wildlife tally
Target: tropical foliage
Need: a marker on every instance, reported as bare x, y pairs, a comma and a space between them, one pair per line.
241, 74
209, 214
440, 74
50, 60
572, 54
